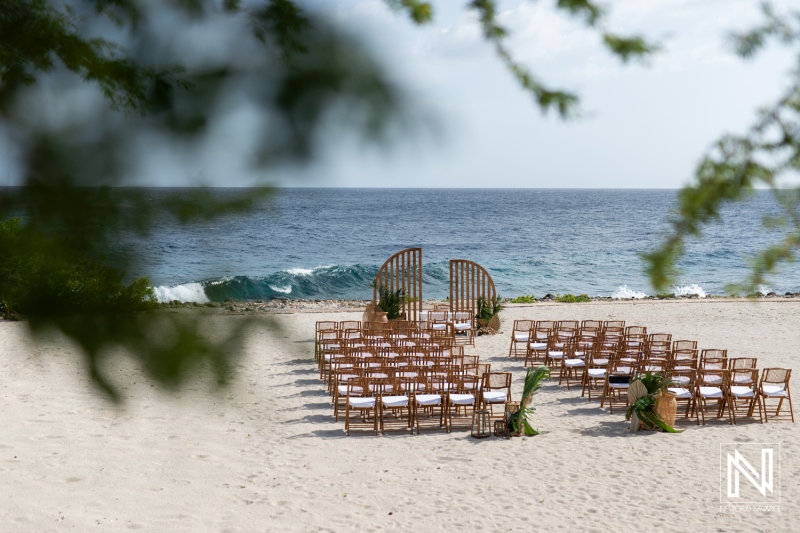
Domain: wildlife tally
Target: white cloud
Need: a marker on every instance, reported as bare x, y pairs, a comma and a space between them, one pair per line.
538, 31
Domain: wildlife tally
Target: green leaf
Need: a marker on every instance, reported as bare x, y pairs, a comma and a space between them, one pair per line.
629, 47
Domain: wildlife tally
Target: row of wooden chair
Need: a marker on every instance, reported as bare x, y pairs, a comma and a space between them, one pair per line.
525, 331
595, 354
410, 398
738, 391
332, 335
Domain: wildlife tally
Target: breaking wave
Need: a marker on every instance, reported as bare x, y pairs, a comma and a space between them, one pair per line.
188, 292
623, 293
688, 290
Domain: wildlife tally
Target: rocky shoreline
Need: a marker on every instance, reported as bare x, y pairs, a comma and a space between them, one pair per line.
301, 305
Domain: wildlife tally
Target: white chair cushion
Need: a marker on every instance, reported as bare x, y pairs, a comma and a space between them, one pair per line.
742, 392
537, 345
494, 396
462, 399
343, 390
395, 401
574, 362
712, 379
600, 361
680, 393
597, 372
773, 391
362, 403
743, 379
521, 336
681, 380
710, 392
439, 327
555, 355
461, 326
618, 385
429, 399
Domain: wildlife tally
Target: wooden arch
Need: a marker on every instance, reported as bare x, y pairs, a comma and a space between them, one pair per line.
468, 282
403, 271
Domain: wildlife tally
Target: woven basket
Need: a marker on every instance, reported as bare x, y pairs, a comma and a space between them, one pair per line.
666, 408
493, 323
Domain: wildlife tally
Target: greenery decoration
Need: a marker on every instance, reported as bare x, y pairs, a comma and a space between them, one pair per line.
644, 406
533, 382
527, 299
487, 309
391, 301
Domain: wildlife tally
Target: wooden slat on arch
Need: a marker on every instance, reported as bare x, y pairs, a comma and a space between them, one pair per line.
403, 271
468, 282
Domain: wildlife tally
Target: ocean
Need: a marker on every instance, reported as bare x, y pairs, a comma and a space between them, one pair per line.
329, 243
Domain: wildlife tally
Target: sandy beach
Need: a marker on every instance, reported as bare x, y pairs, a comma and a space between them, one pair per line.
266, 455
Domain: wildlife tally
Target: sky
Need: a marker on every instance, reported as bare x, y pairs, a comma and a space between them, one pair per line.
643, 126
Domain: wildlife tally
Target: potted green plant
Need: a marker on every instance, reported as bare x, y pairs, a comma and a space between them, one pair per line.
652, 405
518, 421
391, 301
487, 314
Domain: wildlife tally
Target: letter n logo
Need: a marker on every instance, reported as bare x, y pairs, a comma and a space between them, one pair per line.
746, 479
737, 465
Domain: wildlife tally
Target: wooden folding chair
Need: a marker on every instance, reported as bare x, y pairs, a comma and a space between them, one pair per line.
712, 385
520, 334
361, 407
774, 385
618, 377
743, 391
395, 404
495, 391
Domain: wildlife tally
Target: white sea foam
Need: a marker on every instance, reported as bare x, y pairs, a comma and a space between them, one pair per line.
764, 290
305, 271
188, 292
221, 280
624, 292
285, 290
300, 271
686, 290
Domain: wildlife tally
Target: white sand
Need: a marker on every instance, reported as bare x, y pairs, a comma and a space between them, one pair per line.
266, 455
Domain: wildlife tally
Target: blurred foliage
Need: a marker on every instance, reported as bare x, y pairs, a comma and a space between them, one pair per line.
87, 85
527, 299
45, 277
767, 155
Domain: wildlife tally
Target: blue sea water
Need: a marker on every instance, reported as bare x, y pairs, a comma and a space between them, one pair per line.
329, 243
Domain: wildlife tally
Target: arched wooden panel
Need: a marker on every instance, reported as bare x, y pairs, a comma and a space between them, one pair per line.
403, 271
468, 282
